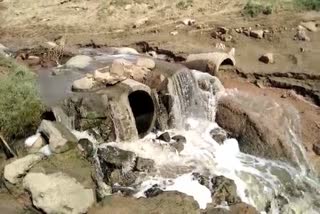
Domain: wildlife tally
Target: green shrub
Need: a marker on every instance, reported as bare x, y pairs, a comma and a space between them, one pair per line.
184, 4
308, 4
20, 105
254, 9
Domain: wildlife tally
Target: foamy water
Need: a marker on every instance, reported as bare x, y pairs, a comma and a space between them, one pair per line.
258, 180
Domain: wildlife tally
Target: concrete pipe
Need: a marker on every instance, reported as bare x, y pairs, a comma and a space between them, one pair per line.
210, 62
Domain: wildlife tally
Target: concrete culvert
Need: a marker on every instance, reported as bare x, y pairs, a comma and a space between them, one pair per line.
143, 110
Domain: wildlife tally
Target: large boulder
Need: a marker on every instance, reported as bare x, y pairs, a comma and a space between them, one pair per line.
58, 193
224, 189
166, 203
59, 137
16, 169
263, 127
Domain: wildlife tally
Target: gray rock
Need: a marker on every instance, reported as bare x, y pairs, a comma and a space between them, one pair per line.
302, 35
165, 137
219, 135
86, 147
83, 84
179, 139
58, 193
316, 148
144, 165
153, 191
267, 58
79, 61
258, 34
117, 158
4, 51
16, 169
224, 189
60, 138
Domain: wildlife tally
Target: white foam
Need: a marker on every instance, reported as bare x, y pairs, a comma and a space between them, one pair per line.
186, 184
31, 140
46, 150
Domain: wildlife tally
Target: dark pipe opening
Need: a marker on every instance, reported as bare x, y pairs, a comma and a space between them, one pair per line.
227, 62
143, 110
48, 115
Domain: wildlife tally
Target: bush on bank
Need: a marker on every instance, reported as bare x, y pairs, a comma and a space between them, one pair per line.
20, 104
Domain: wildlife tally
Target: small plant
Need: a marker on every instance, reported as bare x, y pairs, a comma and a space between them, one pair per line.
254, 9
20, 105
184, 4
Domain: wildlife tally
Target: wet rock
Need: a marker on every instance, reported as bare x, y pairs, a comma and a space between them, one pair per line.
118, 165
219, 135
179, 142
316, 148
258, 34
146, 63
34, 143
83, 84
179, 139
239, 208
79, 61
267, 58
59, 137
302, 35
203, 180
124, 191
58, 193
16, 169
167, 202
144, 165
311, 26
86, 147
105, 77
91, 113
260, 125
224, 189
117, 158
153, 191
165, 137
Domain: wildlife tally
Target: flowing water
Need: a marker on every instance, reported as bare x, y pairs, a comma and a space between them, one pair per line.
270, 186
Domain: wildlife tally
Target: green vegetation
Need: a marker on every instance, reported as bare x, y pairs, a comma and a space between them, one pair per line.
308, 4
20, 105
254, 8
184, 4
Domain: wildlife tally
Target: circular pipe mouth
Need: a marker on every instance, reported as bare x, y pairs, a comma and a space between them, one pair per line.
143, 110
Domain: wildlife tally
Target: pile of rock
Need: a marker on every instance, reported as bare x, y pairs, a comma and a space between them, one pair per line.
223, 34
119, 70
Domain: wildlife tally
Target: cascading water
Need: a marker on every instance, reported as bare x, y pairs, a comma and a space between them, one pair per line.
270, 186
